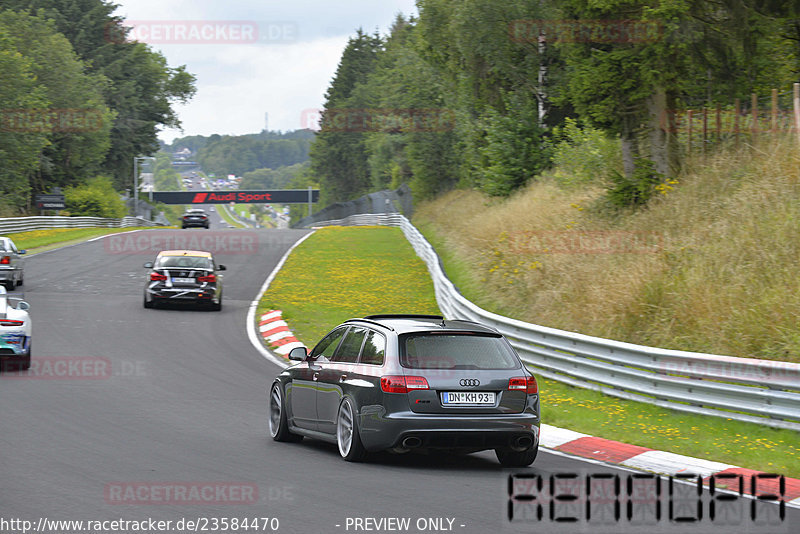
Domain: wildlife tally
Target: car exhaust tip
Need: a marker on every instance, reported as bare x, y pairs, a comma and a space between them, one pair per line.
522, 443
412, 442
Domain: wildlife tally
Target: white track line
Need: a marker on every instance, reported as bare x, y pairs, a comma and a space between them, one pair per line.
252, 333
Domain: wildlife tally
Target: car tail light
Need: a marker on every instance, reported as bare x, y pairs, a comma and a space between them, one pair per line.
5, 260
523, 383
211, 278
11, 322
402, 384
158, 277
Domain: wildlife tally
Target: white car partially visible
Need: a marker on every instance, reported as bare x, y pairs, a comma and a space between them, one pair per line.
11, 264
15, 333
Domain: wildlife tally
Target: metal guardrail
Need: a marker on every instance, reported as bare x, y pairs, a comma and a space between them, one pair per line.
249, 223
759, 391
26, 224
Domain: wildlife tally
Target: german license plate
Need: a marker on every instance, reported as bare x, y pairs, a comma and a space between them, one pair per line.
450, 398
183, 280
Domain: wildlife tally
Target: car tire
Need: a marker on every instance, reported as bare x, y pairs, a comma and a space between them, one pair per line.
278, 425
348, 439
9, 285
25, 364
22, 363
511, 458
216, 306
20, 281
147, 304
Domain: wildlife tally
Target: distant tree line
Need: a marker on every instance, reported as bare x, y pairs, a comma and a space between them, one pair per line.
239, 154
77, 99
280, 178
494, 82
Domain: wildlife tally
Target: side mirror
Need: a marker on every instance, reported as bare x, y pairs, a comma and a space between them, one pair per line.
298, 354
148, 265
221, 268
24, 306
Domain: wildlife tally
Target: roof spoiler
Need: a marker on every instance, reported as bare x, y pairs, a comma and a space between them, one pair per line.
404, 316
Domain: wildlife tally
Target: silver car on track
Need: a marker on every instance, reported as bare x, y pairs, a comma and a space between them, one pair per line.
11, 264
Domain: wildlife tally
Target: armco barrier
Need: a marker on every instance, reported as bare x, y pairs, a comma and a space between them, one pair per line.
249, 223
26, 224
759, 391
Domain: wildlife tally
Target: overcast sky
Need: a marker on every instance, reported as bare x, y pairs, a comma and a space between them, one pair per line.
253, 57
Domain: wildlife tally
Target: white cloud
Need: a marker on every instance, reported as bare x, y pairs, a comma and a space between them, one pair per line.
237, 87
238, 83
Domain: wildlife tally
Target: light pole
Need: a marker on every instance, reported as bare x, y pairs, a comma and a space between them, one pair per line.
136, 183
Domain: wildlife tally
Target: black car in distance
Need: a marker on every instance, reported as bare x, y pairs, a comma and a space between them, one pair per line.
195, 217
404, 382
184, 277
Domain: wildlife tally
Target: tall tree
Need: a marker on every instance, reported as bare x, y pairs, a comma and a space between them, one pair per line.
415, 142
492, 81
696, 53
19, 146
339, 154
78, 134
141, 87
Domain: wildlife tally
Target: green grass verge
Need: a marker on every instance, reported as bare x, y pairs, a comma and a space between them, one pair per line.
41, 240
713, 438
344, 272
223, 212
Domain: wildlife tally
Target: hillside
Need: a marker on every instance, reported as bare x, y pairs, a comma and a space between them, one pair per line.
710, 265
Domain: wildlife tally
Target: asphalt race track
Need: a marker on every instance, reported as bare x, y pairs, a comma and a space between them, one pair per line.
163, 415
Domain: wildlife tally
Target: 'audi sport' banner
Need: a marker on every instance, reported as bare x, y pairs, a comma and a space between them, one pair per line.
277, 196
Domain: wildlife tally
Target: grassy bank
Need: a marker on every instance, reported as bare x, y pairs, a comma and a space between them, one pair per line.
710, 265
40, 240
339, 273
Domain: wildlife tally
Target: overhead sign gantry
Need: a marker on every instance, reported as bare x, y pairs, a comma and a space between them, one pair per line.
273, 196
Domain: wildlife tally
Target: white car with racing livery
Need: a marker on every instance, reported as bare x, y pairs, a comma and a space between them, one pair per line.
15, 333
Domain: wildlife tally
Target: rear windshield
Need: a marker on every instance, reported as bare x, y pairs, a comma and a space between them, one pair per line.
183, 262
456, 351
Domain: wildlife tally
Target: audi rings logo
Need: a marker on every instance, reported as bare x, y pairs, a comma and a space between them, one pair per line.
470, 382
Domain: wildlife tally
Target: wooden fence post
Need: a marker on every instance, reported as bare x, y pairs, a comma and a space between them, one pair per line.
797, 110
738, 111
774, 111
705, 128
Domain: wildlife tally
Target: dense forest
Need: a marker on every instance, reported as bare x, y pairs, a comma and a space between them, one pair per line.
240, 154
481, 93
78, 99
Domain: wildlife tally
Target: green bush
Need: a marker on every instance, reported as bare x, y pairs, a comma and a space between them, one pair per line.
97, 198
637, 190
584, 155
515, 150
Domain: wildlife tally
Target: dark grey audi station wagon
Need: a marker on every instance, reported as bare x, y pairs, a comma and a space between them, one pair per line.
403, 382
